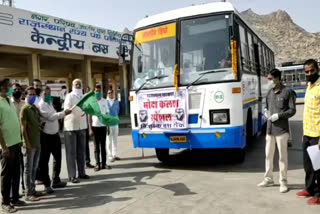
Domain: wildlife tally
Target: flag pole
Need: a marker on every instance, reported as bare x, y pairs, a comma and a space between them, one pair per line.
73, 107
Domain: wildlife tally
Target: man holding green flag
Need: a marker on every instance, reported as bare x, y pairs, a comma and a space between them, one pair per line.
75, 125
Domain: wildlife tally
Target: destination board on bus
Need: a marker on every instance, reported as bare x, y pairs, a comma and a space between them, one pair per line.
155, 33
162, 110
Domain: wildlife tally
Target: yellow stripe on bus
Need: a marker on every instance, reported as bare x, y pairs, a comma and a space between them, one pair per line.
249, 100
155, 33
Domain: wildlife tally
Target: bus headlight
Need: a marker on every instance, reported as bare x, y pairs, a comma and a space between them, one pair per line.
220, 116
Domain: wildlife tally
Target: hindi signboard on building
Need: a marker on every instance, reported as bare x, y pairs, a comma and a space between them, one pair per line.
162, 110
33, 30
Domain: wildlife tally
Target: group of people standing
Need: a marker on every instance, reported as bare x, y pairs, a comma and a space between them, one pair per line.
29, 134
280, 107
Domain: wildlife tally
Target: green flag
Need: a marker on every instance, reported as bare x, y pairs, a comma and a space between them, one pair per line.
89, 104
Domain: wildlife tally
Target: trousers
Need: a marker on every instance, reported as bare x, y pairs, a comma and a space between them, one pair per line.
281, 142
75, 152
112, 141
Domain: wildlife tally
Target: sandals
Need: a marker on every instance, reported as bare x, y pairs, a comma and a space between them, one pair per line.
8, 208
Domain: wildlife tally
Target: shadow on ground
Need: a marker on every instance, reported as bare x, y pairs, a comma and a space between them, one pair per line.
101, 188
223, 160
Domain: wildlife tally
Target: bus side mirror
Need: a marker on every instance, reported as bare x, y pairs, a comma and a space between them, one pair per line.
140, 64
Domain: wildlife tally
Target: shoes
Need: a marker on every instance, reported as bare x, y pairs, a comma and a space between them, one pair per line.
49, 190
59, 185
31, 198
89, 166
303, 194
106, 166
8, 208
266, 183
39, 194
314, 201
283, 188
97, 168
84, 177
38, 182
18, 203
74, 180
113, 159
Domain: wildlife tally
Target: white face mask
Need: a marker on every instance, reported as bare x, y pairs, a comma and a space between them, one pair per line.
78, 92
271, 84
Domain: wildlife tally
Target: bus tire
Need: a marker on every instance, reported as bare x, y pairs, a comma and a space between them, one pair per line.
249, 131
240, 155
162, 154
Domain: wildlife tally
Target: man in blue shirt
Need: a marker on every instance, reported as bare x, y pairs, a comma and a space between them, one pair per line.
112, 136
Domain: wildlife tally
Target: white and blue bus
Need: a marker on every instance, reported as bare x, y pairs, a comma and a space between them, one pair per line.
294, 77
198, 80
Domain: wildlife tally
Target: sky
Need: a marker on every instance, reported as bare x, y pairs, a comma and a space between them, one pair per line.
117, 15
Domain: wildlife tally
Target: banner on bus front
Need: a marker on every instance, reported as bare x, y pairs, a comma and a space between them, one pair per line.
162, 110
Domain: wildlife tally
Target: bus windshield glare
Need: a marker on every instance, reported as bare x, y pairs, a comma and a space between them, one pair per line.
205, 46
154, 56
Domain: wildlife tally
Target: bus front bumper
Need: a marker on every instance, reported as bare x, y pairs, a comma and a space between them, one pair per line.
229, 137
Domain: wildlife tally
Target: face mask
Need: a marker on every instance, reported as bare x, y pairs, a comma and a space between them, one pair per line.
9, 93
38, 91
98, 95
47, 98
17, 94
78, 92
270, 85
312, 78
31, 99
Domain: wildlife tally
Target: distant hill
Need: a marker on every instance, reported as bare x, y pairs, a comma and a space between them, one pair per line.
289, 41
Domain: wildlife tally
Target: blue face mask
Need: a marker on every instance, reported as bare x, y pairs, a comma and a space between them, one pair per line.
32, 99
9, 93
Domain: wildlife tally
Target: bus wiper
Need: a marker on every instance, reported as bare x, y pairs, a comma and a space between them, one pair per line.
147, 80
202, 74
138, 48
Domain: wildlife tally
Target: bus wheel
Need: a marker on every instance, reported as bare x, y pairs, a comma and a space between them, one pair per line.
240, 155
162, 154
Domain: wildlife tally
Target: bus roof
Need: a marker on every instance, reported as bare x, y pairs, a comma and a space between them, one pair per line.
186, 12
202, 9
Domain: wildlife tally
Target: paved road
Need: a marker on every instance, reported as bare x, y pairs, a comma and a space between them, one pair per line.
197, 182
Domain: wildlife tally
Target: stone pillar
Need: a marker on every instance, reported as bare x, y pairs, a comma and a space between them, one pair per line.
105, 83
69, 81
113, 82
87, 73
124, 90
33, 67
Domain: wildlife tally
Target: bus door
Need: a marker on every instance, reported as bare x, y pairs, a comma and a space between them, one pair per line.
195, 107
260, 99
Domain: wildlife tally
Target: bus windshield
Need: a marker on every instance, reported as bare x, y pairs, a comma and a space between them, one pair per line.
205, 46
154, 56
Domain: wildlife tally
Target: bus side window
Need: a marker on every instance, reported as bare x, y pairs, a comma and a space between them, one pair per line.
244, 49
